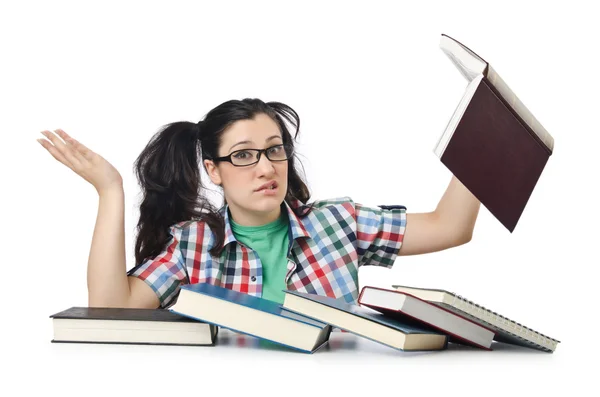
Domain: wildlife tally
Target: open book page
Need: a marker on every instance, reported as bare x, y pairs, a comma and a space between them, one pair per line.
472, 65
469, 64
519, 108
458, 113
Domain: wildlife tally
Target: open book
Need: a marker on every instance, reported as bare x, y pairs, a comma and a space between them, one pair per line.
507, 330
493, 144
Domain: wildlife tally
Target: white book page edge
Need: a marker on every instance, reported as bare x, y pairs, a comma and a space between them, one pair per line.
440, 147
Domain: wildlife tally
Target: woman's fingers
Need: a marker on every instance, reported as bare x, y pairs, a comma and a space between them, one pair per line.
55, 152
84, 162
69, 144
65, 153
79, 147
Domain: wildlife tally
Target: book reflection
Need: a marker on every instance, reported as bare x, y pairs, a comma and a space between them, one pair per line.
339, 340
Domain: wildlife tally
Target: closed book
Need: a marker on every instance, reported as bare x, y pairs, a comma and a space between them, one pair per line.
250, 315
129, 326
365, 322
404, 306
505, 329
493, 144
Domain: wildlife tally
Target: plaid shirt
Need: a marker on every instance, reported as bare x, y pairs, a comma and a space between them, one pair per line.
326, 248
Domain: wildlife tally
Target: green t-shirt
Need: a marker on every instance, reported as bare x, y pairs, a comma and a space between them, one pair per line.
271, 243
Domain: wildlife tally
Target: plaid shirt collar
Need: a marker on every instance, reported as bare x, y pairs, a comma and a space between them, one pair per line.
296, 225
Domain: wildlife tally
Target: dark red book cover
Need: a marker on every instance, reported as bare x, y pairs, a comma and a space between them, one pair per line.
496, 155
418, 321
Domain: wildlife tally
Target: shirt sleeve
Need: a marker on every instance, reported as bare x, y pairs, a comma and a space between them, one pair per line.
165, 272
379, 232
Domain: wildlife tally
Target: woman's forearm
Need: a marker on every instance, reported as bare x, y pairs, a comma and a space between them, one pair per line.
459, 207
106, 274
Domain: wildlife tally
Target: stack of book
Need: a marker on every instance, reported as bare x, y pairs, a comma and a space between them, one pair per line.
403, 318
492, 144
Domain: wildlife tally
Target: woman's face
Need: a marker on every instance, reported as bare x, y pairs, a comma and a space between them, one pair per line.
248, 206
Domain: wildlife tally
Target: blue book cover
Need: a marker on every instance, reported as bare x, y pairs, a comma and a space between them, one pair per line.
367, 314
252, 302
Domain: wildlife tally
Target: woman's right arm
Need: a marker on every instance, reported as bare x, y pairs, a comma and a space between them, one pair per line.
108, 283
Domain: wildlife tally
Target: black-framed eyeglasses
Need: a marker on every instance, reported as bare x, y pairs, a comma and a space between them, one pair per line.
246, 157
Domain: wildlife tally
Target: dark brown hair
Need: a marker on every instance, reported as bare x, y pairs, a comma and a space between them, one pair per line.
169, 174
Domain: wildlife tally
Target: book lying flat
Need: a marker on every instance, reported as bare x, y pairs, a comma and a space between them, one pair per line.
493, 144
250, 315
506, 330
129, 326
365, 322
404, 306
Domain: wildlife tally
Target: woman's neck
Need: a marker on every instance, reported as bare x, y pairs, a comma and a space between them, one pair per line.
253, 218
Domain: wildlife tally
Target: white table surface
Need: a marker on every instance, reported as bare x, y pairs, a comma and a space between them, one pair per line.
242, 365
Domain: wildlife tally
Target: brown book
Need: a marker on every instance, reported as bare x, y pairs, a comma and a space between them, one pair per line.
492, 143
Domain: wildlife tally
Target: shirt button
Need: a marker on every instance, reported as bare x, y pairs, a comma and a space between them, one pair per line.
253, 278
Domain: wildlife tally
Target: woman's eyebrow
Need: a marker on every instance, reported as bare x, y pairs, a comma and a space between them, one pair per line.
267, 140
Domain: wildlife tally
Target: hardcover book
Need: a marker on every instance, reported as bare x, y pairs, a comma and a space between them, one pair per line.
250, 315
493, 144
365, 322
401, 305
129, 326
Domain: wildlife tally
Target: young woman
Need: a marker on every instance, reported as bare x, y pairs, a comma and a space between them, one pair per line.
266, 237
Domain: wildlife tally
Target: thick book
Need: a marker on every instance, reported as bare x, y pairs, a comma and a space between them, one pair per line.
129, 326
250, 315
365, 322
492, 144
505, 329
404, 306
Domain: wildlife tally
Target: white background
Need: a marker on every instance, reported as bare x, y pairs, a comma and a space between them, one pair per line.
374, 92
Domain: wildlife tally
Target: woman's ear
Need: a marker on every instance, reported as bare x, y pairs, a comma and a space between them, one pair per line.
213, 172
